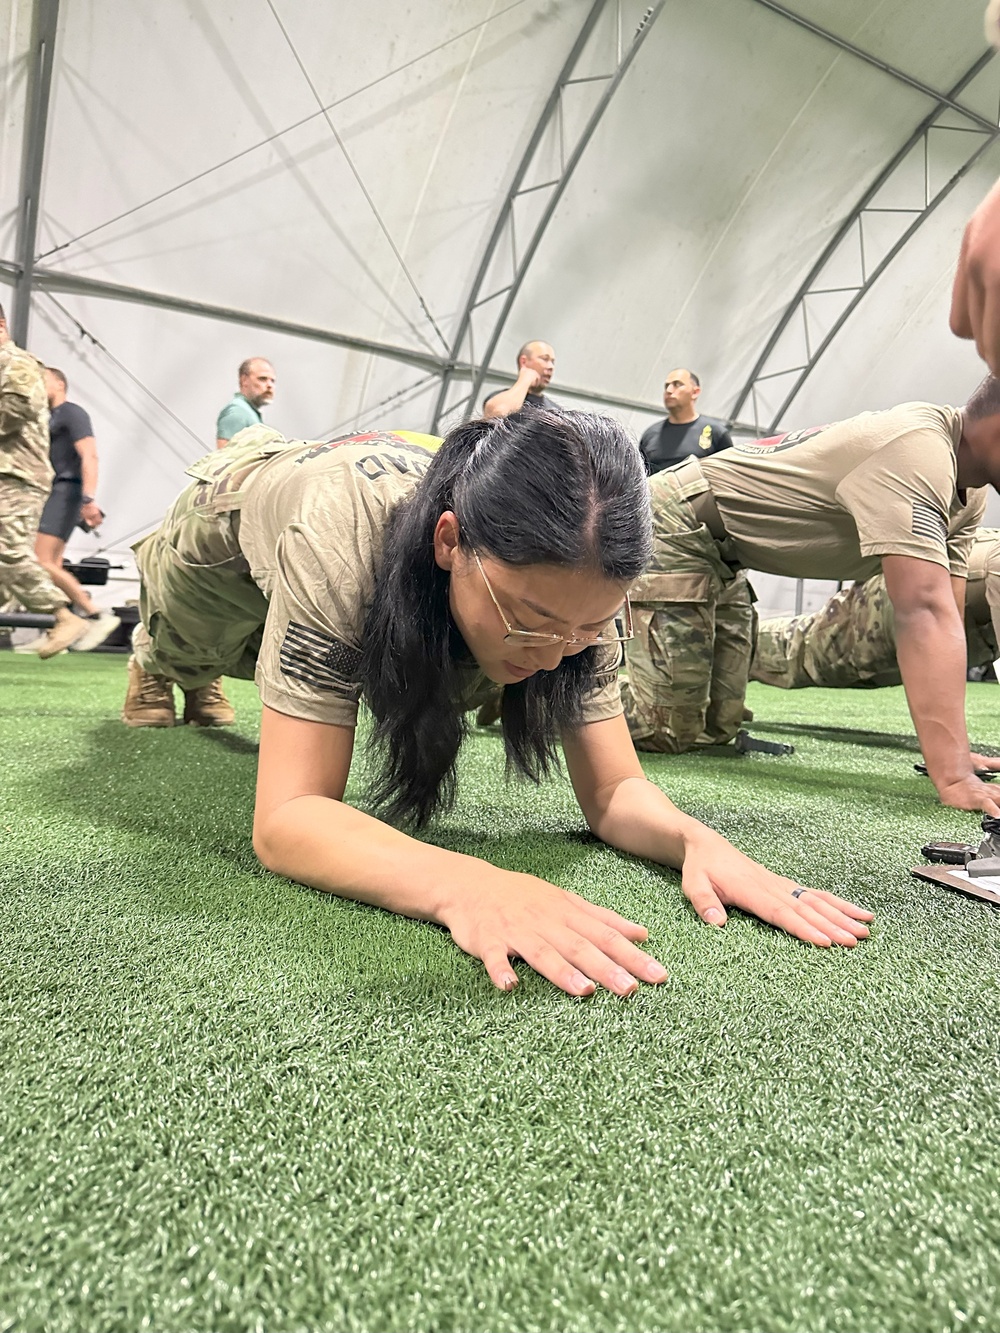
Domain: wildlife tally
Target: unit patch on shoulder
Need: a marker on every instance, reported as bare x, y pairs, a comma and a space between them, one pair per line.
776, 444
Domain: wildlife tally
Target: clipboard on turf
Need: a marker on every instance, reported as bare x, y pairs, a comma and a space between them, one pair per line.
958, 879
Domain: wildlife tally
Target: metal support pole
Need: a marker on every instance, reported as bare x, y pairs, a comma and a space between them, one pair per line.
54, 280
520, 262
853, 222
43, 42
26, 620
550, 109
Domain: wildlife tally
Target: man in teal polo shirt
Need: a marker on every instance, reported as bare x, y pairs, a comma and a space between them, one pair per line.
243, 409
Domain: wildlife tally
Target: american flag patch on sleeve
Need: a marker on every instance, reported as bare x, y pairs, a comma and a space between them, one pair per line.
929, 522
320, 660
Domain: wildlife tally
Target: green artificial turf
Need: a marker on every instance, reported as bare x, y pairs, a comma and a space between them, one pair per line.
228, 1102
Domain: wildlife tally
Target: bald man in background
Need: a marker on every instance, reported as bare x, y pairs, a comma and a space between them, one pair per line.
536, 362
243, 409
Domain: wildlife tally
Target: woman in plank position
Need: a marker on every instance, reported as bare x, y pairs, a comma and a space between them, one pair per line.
424, 583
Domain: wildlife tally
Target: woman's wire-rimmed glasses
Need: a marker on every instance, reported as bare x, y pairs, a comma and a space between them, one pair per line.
539, 639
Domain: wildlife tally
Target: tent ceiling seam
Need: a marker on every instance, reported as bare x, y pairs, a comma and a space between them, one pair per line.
357, 176
898, 74
278, 134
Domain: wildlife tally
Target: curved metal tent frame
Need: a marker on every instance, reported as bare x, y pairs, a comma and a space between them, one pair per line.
27, 277
985, 133
504, 227
45, 19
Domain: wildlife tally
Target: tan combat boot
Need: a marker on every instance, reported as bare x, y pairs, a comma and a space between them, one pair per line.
207, 706
67, 629
150, 699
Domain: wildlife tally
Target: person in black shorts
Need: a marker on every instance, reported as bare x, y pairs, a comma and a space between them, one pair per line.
73, 453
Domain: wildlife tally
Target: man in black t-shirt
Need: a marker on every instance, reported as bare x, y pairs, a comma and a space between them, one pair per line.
73, 454
683, 433
535, 363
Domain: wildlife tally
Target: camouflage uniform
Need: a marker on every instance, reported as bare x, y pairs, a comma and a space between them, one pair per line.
851, 641
265, 566
693, 606
25, 481
193, 565
823, 502
202, 613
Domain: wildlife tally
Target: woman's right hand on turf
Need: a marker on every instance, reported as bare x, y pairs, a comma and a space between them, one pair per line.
575, 944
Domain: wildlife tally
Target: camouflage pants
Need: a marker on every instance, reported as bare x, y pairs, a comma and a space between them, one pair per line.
982, 602
849, 642
22, 578
201, 614
689, 662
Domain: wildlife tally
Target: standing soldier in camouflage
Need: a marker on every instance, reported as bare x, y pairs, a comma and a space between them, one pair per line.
851, 640
25, 482
898, 490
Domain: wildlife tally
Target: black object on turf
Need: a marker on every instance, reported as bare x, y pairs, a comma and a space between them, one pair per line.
746, 744
984, 774
947, 853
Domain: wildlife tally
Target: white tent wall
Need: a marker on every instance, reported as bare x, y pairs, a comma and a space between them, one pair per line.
700, 229
286, 228
735, 146
15, 35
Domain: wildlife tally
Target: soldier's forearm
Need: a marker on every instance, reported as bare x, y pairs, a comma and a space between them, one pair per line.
88, 471
930, 647
505, 403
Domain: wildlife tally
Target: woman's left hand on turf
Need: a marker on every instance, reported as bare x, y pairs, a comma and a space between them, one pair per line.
985, 761
716, 875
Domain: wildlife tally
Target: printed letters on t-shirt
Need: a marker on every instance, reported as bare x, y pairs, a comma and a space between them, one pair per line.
776, 444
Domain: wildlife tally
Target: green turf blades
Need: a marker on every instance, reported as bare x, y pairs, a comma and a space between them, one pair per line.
227, 1102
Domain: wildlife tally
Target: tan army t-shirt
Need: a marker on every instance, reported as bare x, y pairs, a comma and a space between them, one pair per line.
312, 525
828, 502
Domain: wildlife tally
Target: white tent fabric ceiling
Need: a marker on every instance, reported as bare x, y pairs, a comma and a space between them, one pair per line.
342, 167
